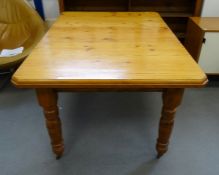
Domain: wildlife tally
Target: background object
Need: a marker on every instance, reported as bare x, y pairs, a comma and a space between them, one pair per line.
39, 7
202, 42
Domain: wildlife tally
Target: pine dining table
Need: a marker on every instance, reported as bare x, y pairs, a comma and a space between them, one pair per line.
109, 51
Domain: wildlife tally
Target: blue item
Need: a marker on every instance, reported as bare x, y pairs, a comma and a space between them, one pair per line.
39, 7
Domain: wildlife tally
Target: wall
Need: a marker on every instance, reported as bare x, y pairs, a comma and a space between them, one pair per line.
51, 9
210, 8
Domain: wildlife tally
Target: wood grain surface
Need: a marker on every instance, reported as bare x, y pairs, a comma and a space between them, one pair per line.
207, 24
109, 49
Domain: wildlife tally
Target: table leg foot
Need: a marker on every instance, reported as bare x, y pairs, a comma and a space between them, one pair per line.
58, 150
58, 157
48, 101
171, 100
159, 155
161, 149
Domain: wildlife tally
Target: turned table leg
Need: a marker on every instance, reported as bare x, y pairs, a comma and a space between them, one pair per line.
171, 100
47, 99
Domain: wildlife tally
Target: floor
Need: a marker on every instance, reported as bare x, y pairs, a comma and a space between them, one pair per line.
109, 134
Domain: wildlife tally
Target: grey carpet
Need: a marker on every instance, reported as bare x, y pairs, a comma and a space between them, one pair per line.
109, 134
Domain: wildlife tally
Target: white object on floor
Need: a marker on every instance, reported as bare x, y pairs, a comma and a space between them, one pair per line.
11, 52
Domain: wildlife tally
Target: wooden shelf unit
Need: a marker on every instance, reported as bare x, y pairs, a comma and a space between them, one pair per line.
201, 41
174, 12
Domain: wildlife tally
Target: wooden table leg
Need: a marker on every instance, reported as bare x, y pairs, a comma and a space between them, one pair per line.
171, 100
47, 99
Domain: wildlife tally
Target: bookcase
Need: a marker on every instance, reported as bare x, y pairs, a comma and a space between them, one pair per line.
174, 12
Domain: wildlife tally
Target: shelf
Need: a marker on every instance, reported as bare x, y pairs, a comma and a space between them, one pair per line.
99, 9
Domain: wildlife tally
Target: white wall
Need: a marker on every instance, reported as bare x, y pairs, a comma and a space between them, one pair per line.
51, 9
210, 8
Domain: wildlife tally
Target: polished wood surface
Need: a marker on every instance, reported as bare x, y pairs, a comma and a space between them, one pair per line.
198, 7
116, 50
207, 24
61, 6
109, 51
48, 101
174, 12
171, 100
194, 39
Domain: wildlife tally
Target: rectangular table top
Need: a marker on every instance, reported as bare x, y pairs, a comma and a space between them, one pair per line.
115, 49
